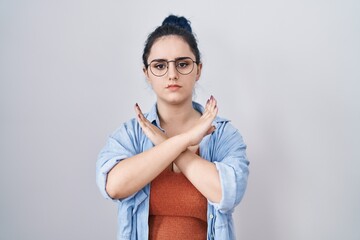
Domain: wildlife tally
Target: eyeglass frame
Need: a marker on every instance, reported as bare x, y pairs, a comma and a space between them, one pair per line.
167, 67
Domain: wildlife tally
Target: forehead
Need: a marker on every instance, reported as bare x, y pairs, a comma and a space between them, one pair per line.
170, 47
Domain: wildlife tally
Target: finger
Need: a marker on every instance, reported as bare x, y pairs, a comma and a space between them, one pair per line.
140, 117
137, 109
210, 130
212, 102
140, 121
211, 114
213, 105
140, 114
207, 105
144, 122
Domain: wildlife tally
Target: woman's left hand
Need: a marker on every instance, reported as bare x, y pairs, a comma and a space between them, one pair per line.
155, 135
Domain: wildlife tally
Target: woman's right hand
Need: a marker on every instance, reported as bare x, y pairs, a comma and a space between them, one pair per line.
155, 135
203, 127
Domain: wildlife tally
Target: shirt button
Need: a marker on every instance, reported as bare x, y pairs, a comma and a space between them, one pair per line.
211, 216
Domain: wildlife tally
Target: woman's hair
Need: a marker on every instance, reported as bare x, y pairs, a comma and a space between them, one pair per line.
172, 25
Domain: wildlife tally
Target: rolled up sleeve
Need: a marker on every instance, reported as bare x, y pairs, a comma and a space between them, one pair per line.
233, 167
119, 146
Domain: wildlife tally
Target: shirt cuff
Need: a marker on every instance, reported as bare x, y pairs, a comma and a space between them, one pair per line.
228, 187
101, 178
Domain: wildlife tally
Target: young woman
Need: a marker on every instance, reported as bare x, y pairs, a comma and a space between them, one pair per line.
178, 171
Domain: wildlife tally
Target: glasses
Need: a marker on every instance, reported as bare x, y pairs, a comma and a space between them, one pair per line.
159, 67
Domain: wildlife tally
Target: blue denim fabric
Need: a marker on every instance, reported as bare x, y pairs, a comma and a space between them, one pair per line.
224, 147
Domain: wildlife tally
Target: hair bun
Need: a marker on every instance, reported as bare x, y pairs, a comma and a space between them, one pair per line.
178, 21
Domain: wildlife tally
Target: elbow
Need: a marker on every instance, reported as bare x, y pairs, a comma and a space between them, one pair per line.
116, 191
217, 195
218, 191
111, 191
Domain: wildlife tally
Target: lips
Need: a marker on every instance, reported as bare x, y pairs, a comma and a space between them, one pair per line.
173, 87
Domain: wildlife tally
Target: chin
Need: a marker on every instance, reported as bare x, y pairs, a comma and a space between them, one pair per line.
174, 100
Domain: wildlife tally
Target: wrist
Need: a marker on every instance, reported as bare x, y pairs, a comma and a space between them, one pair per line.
184, 141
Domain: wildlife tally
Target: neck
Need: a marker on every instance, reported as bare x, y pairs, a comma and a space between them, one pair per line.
176, 114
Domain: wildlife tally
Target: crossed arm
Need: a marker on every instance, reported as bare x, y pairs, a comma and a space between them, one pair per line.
132, 174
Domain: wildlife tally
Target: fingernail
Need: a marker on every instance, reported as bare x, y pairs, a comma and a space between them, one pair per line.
207, 101
136, 105
211, 97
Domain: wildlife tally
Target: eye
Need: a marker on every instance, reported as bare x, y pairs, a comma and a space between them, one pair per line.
159, 65
182, 64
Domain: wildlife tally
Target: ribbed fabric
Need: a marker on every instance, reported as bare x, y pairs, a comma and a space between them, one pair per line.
177, 209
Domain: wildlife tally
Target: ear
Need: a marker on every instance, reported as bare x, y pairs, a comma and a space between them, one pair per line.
146, 73
198, 69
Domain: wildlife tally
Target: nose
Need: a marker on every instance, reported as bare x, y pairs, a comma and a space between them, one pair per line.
172, 72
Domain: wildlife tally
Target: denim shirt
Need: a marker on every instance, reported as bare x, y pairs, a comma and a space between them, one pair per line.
224, 147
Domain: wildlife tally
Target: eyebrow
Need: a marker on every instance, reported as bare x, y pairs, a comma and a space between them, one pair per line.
176, 59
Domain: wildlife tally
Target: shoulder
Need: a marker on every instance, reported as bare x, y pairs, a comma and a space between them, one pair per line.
224, 126
127, 129
226, 134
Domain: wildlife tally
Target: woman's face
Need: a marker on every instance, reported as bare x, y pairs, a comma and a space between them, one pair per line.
173, 87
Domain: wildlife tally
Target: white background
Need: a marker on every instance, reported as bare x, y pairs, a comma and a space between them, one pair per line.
285, 72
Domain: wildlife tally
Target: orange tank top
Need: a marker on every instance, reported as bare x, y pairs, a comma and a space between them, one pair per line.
177, 209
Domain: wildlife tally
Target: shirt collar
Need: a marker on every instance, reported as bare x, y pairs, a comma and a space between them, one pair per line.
153, 117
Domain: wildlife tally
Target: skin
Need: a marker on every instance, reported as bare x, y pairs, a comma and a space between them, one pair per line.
184, 129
